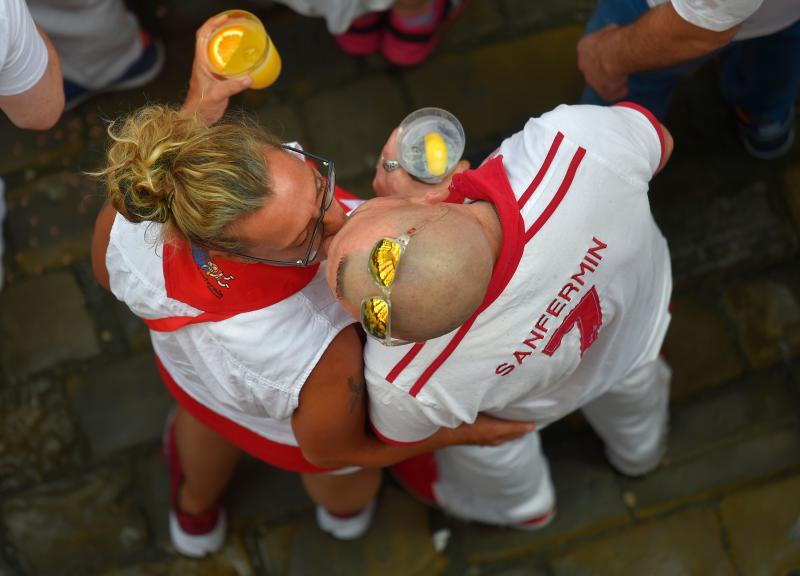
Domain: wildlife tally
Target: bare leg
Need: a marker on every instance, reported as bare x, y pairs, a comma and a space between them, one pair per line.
208, 462
343, 494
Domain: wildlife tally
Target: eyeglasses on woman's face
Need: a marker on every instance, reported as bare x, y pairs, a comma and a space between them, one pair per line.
308, 251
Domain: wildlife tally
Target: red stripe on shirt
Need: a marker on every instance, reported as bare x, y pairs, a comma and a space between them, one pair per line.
387, 440
559, 196
405, 361
280, 455
653, 120
565, 185
542, 171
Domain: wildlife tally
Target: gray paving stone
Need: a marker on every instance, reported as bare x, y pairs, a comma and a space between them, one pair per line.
31, 150
684, 544
44, 322
738, 230
37, 435
151, 479
479, 20
312, 62
767, 315
526, 15
120, 404
51, 220
589, 500
760, 402
397, 544
697, 325
260, 493
791, 189
738, 462
763, 528
505, 97
77, 528
283, 121
232, 560
351, 124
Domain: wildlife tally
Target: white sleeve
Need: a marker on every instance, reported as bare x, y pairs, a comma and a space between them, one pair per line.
715, 15
23, 54
397, 417
626, 137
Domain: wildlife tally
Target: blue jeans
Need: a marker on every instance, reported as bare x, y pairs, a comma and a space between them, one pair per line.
761, 75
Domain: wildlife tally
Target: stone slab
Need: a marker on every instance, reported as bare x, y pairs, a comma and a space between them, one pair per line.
738, 230
232, 560
791, 187
120, 404
589, 500
260, 493
37, 435
683, 544
490, 89
51, 220
526, 15
698, 325
763, 527
736, 463
397, 544
351, 124
767, 315
33, 150
480, 20
44, 322
75, 528
760, 402
283, 122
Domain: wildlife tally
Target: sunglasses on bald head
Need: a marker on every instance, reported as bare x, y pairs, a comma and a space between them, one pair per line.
384, 259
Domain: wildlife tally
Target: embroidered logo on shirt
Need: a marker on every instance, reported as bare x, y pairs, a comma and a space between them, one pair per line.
211, 270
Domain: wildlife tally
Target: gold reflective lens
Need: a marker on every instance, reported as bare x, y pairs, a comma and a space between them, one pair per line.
375, 316
383, 261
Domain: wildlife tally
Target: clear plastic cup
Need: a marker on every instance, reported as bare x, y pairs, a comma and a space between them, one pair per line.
411, 142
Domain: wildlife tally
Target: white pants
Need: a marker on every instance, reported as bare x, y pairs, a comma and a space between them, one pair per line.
510, 483
96, 40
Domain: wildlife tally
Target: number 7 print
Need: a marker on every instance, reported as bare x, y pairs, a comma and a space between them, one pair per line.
587, 315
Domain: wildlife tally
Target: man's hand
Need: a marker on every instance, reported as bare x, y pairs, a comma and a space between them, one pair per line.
208, 94
399, 182
489, 431
595, 61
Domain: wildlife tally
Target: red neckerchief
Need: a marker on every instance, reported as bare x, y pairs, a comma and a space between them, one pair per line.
488, 183
222, 288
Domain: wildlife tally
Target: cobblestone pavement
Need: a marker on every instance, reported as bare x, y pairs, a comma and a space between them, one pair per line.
82, 487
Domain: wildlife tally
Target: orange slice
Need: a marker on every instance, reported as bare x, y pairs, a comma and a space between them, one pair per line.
223, 45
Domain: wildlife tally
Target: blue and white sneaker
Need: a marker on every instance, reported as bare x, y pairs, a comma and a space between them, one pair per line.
765, 140
141, 72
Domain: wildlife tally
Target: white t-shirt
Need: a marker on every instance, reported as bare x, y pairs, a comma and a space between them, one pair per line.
757, 17
23, 53
582, 304
249, 368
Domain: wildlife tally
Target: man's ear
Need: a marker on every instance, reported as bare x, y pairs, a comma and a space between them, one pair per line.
437, 193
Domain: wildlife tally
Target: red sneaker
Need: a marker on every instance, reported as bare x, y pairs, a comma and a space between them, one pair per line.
194, 536
407, 45
364, 35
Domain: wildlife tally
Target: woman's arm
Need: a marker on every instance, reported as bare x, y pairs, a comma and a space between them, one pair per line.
330, 422
100, 238
208, 94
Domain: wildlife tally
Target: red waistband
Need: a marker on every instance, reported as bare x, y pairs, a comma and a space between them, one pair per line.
279, 455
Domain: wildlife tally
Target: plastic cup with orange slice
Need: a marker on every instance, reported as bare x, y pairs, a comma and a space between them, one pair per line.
242, 47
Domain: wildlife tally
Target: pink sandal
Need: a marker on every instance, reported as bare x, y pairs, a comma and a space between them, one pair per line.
364, 35
406, 45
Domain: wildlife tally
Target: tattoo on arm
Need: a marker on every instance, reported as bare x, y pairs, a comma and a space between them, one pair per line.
356, 386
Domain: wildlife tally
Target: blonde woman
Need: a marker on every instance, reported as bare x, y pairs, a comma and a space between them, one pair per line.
213, 235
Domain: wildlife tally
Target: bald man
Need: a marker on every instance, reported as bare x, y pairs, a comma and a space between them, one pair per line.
535, 285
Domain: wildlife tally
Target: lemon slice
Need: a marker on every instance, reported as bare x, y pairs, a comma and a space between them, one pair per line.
224, 45
435, 153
